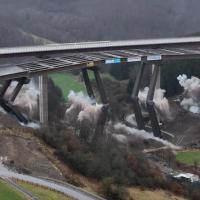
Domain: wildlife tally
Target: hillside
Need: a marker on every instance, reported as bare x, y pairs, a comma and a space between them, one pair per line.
39, 159
67, 20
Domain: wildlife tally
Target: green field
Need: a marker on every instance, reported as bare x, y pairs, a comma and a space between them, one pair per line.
188, 157
103, 75
8, 193
43, 193
67, 82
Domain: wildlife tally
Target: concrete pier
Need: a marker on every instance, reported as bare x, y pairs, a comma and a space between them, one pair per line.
150, 103
43, 99
136, 105
88, 83
100, 86
158, 77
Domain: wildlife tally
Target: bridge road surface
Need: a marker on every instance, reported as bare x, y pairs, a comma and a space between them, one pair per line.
69, 190
70, 56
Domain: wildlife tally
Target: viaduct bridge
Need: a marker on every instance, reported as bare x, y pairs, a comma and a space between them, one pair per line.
85, 56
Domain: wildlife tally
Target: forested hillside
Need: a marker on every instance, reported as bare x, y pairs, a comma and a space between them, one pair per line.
78, 20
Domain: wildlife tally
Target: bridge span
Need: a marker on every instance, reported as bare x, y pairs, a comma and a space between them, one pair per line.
89, 56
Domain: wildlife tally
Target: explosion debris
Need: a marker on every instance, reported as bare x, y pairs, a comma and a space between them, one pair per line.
83, 108
27, 97
161, 103
143, 134
191, 98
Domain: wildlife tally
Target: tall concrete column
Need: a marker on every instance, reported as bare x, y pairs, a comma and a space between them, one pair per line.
100, 86
88, 83
136, 104
158, 77
43, 99
158, 83
150, 103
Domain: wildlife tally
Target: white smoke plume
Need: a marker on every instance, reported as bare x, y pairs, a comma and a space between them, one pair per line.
144, 135
161, 103
191, 101
120, 138
131, 119
83, 108
27, 97
32, 125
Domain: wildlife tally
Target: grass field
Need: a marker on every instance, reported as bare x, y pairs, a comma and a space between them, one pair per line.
103, 75
8, 193
43, 193
188, 157
138, 194
67, 82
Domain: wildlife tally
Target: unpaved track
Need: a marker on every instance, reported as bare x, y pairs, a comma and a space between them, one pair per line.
66, 189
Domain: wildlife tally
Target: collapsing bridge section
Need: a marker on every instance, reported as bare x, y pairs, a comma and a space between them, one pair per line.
138, 113
140, 119
7, 103
150, 103
89, 56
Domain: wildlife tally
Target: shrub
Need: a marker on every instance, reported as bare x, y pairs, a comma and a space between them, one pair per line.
107, 159
113, 192
176, 188
195, 194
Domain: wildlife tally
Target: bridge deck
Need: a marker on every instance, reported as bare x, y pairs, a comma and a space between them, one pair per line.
91, 54
99, 46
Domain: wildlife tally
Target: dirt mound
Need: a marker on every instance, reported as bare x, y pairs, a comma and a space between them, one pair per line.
24, 152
